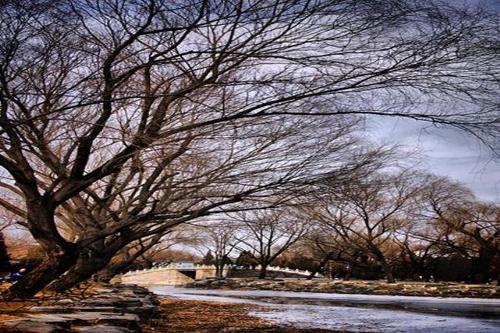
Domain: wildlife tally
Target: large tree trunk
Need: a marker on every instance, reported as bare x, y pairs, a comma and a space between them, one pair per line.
53, 265
87, 265
106, 274
263, 271
320, 266
60, 255
91, 260
483, 266
219, 269
218, 273
389, 275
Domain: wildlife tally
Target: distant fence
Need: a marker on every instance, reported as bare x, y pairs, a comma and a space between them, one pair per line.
289, 270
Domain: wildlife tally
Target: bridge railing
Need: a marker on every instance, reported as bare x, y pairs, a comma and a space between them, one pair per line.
189, 266
178, 266
289, 270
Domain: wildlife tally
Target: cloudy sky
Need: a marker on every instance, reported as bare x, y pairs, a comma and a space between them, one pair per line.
446, 152
492, 4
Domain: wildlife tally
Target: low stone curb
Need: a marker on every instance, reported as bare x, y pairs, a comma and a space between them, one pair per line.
110, 309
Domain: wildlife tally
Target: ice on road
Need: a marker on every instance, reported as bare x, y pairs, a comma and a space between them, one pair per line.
373, 320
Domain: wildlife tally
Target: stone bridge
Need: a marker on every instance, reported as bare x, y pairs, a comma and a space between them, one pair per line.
181, 273
172, 274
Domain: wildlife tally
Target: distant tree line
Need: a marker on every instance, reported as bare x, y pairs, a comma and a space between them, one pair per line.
407, 225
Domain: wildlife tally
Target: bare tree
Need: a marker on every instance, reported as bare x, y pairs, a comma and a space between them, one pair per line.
221, 239
326, 247
144, 250
87, 88
269, 233
419, 244
465, 225
440, 220
148, 201
367, 213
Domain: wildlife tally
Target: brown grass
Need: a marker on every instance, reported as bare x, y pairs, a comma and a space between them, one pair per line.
8, 309
13, 309
210, 317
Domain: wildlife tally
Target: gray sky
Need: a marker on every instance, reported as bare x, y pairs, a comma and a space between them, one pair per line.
493, 4
446, 152
443, 151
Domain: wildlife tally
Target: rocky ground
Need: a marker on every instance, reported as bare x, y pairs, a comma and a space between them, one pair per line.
98, 309
444, 289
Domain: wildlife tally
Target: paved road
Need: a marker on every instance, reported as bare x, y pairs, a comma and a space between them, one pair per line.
360, 313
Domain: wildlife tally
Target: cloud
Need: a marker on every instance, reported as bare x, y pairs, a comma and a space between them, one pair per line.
443, 151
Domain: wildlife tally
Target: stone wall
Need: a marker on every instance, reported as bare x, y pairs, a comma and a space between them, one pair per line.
170, 275
207, 272
156, 276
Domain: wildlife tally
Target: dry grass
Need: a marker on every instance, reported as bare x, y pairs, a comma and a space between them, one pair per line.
9, 309
14, 309
210, 317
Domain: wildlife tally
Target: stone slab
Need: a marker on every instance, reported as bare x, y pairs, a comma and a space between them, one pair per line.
101, 329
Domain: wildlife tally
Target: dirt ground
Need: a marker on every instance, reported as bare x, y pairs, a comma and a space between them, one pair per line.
213, 317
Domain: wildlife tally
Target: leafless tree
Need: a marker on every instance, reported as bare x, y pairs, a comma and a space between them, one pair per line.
435, 221
146, 251
464, 225
419, 243
269, 233
90, 90
326, 247
151, 201
367, 213
221, 239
